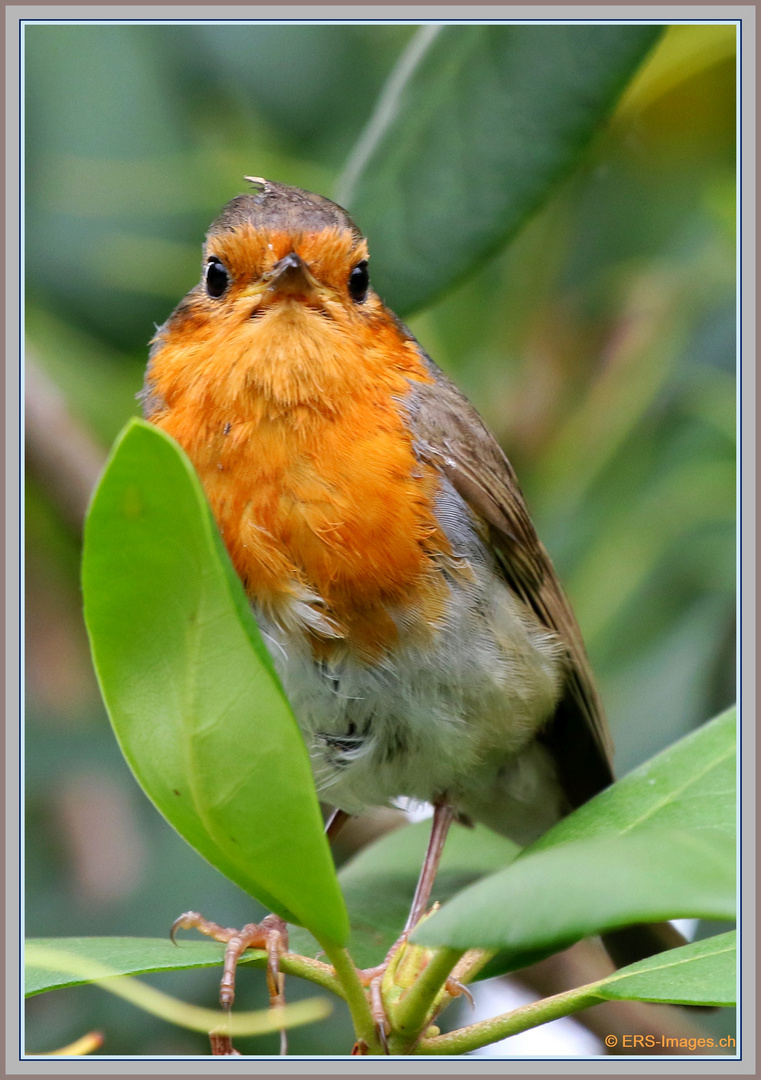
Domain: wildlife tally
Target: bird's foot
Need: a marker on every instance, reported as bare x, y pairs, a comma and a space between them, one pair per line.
373, 978
271, 934
389, 982
455, 989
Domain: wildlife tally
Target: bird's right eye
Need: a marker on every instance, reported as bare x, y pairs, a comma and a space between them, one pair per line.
216, 278
359, 282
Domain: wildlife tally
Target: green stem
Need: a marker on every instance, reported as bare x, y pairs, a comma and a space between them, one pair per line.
302, 967
413, 1010
466, 969
354, 995
500, 1027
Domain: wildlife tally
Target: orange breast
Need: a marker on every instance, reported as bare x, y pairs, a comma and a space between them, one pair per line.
298, 433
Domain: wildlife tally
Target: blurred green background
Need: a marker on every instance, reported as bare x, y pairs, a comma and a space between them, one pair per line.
599, 345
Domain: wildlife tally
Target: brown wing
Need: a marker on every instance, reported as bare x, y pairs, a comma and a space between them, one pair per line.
452, 436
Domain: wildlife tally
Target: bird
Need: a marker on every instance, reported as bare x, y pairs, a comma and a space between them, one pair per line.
412, 613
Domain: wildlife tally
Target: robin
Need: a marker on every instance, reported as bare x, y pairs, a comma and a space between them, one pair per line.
414, 617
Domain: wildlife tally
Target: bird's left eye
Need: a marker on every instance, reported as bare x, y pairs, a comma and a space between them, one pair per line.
359, 282
216, 278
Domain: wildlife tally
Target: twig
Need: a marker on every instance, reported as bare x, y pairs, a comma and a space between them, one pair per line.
59, 452
588, 962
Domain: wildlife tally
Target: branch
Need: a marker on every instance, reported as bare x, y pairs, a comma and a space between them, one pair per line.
59, 452
475, 1036
588, 962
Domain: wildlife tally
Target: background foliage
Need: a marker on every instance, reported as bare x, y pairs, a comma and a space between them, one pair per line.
598, 345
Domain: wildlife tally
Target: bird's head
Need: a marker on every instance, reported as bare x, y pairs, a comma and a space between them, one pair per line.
284, 301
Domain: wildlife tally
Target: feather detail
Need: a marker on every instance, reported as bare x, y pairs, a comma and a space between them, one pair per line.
452, 436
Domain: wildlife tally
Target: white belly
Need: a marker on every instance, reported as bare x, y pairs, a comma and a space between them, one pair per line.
455, 718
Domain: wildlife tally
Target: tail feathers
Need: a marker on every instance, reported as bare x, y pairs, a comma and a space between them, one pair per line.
633, 943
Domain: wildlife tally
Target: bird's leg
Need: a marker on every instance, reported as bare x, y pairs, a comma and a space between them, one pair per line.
270, 934
335, 823
443, 815
378, 1012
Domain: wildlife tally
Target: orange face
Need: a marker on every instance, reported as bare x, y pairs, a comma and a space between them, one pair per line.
284, 378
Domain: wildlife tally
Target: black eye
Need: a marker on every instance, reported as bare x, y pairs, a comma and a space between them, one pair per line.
359, 282
216, 278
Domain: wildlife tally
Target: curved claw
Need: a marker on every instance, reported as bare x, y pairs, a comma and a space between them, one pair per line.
458, 989
186, 921
378, 1013
271, 934
176, 925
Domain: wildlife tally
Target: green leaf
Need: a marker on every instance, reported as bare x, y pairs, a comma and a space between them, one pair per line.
551, 898
379, 883
50, 956
124, 955
191, 690
701, 973
475, 127
690, 785
638, 852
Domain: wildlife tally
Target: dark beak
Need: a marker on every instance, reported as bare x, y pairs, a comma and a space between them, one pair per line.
291, 277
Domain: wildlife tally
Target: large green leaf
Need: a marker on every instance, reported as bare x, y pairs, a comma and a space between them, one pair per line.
553, 897
190, 688
658, 844
379, 883
690, 785
475, 127
123, 955
701, 973
53, 956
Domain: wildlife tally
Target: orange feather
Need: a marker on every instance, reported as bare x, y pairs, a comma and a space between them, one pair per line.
295, 422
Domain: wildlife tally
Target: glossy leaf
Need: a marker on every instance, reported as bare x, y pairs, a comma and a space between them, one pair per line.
379, 883
473, 131
701, 973
698, 974
190, 688
690, 785
124, 955
639, 851
551, 898
50, 956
